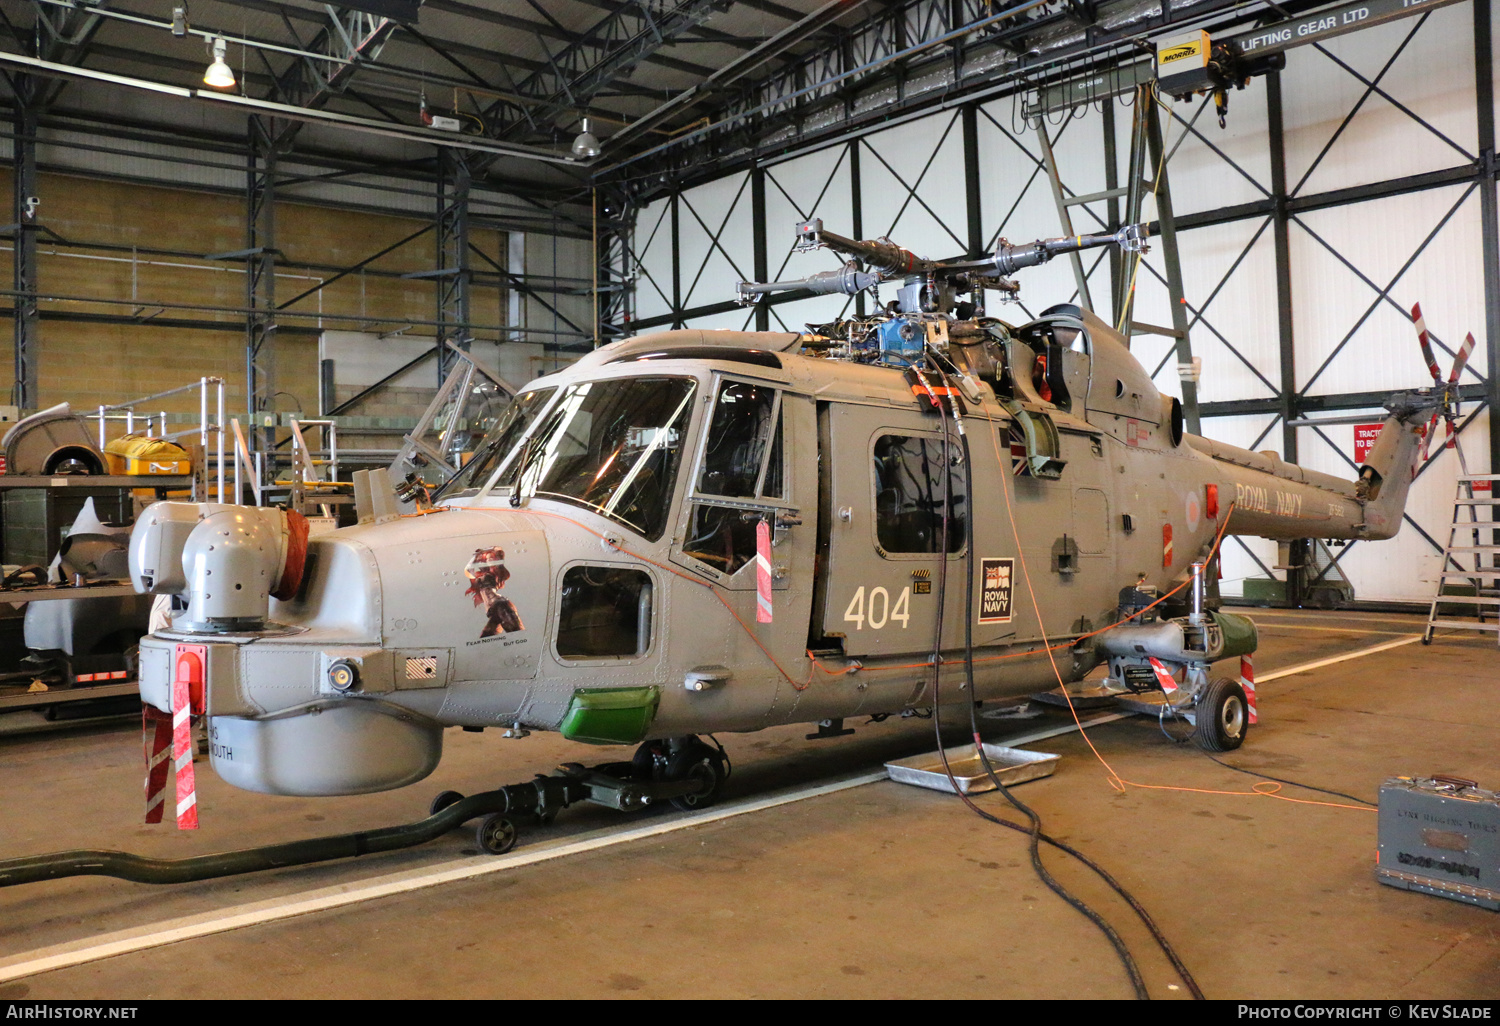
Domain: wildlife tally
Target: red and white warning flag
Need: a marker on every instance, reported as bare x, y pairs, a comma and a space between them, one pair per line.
182, 749
174, 733
763, 571
156, 733
1166, 545
1168, 685
1247, 681
187, 699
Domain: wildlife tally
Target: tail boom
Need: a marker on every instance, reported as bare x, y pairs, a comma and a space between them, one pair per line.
1283, 501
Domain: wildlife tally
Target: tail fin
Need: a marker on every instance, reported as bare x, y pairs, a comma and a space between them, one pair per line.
1386, 475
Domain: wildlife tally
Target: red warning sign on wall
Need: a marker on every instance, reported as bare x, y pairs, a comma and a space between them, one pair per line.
1364, 441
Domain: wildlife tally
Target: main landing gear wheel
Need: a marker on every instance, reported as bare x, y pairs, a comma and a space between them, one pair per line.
443, 800
649, 761
496, 834
1223, 716
697, 763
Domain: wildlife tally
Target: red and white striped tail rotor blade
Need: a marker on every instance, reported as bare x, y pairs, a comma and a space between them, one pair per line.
1425, 343
1462, 358
1427, 438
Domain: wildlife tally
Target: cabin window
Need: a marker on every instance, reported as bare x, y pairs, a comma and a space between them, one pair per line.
739, 445
610, 446
909, 490
605, 612
497, 446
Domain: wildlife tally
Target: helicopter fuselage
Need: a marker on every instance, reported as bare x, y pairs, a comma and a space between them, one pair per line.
597, 571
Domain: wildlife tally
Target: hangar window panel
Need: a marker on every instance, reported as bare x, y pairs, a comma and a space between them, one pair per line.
605, 612
909, 490
651, 249
911, 184
714, 229
1432, 128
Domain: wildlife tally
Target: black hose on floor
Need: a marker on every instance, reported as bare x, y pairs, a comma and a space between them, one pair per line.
143, 869
1282, 780
1127, 960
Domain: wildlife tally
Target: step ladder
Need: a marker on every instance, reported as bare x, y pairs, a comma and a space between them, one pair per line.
1472, 540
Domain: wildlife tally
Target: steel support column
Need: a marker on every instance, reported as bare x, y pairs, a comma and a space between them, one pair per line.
260, 274
615, 282
26, 319
973, 198
856, 212
1169, 253
1112, 206
762, 260
676, 262
453, 273
1080, 279
1281, 237
1484, 88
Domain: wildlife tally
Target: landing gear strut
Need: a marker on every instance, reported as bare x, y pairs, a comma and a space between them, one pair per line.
682, 770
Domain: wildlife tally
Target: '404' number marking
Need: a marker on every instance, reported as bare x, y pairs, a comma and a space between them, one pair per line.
880, 611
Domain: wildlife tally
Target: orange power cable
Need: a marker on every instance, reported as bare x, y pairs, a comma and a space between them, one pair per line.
1264, 788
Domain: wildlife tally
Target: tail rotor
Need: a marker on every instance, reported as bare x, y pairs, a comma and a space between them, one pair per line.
1447, 391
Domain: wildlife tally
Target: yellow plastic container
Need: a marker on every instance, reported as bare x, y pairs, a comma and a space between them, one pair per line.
137, 454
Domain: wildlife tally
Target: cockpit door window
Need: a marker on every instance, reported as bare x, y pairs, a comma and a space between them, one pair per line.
740, 447
741, 477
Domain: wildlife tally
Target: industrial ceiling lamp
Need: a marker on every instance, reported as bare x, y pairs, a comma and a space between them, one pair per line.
586, 146
218, 74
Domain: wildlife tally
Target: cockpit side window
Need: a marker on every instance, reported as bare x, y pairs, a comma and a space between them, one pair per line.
742, 461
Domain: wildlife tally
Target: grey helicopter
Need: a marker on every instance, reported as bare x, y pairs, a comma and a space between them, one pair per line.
694, 532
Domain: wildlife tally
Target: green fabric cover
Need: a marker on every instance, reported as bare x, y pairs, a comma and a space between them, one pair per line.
1240, 637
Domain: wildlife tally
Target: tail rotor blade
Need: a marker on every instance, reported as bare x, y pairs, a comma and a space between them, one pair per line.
1451, 438
1427, 438
1425, 343
1462, 358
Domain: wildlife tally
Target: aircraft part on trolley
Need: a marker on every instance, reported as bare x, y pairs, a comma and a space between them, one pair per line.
51, 441
593, 564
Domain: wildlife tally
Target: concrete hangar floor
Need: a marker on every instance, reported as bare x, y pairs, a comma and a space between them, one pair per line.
873, 890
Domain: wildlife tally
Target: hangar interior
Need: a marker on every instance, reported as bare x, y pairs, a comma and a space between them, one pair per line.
386, 185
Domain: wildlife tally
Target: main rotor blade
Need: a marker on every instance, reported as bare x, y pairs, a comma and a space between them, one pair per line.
1462, 358
1425, 343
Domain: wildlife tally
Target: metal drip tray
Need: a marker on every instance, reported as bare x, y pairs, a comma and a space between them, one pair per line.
1012, 766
